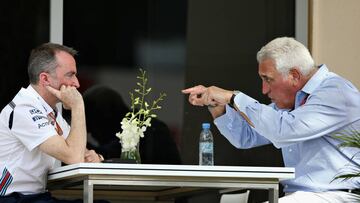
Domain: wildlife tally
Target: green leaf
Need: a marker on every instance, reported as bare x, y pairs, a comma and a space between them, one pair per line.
141, 110
349, 138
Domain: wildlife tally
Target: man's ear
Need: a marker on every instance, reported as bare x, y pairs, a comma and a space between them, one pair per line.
295, 76
44, 79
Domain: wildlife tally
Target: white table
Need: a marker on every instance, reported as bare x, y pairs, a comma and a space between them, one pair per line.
164, 181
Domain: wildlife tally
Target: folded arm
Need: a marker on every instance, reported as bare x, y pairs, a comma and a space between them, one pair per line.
72, 149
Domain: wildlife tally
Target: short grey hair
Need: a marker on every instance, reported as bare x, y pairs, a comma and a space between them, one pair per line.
287, 53
43, 59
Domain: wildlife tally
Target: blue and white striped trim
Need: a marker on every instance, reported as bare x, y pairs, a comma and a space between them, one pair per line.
5, 181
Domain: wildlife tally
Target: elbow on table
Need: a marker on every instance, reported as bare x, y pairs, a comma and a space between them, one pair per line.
73, 158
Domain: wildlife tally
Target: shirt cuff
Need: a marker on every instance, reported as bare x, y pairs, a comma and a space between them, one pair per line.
242, 101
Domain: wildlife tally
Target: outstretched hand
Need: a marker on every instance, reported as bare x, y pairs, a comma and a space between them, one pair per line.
209, 96
196, 95
213, 97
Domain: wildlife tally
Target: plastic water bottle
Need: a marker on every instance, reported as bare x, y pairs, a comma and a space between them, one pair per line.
206, 146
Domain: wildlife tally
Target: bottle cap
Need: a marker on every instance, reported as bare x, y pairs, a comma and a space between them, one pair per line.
206, 125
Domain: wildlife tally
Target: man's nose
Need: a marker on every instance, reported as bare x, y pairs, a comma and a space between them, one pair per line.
76, 82
265, 88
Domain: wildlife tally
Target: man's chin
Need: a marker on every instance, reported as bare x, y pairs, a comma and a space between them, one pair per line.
279, 105
283, 106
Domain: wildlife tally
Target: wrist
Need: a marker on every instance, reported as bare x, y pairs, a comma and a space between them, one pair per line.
232, 99
101, 157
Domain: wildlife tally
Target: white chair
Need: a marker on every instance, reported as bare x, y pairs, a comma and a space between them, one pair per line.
235, 198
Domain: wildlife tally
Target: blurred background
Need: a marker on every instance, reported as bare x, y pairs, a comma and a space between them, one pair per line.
179, 43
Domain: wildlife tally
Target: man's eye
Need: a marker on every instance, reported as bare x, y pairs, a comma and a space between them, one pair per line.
266, 79
70, 75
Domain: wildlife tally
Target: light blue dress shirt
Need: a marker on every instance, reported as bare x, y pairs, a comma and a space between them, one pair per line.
303, 134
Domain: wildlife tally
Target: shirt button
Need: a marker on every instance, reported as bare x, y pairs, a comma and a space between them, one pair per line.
290, 150
285, 186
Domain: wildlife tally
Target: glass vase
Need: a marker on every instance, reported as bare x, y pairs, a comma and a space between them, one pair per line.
131, 156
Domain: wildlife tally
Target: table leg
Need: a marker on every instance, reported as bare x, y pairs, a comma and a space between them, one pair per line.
273, 195
88, 191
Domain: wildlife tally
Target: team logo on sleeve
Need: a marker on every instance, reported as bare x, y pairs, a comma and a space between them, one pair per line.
5, 181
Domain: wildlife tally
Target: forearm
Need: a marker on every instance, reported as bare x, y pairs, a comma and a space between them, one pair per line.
72, 149
76, 139
216, 111
238, 131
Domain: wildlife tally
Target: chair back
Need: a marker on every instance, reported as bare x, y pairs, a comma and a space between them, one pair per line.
235, 198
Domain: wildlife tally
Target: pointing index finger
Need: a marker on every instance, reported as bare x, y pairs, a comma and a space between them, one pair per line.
194, 90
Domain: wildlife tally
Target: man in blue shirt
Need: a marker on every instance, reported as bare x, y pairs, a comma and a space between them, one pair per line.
309, 105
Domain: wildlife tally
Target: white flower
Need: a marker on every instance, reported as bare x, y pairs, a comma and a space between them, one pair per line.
135, 123
130, 135
147, 122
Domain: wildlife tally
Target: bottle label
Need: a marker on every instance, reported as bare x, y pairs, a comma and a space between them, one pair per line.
206, 147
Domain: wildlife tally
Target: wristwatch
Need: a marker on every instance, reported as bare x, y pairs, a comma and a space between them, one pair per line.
101, 157
231, 103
